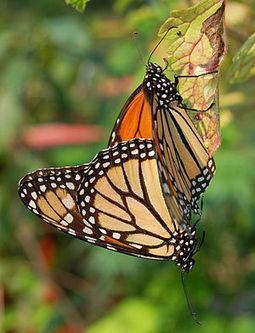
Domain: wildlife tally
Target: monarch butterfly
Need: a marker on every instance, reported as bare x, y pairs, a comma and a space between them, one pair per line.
115, 202
156, 111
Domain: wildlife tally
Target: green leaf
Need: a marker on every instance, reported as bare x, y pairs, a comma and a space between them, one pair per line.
79, 5
133, 315
243, 65
196, 46
67, 33
14, 76
10, 113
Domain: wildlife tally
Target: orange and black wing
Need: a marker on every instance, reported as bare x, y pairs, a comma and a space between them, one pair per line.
135, 119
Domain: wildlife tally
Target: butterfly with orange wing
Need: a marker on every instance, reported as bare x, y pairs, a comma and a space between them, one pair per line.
156, 111
135, 197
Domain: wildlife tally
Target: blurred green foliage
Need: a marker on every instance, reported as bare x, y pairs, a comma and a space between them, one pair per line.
243, 66
77, 4
57, 65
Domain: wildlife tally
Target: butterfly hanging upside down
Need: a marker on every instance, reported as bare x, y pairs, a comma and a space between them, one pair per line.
155, 110
135, 197
116, 202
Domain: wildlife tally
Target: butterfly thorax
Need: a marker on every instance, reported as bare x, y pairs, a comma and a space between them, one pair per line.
157, 83
185, 244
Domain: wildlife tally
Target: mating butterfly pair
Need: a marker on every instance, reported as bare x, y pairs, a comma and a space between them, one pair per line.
137, 196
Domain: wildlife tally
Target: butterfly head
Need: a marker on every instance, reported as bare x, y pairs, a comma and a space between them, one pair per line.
153, 68
155, 81
185, 247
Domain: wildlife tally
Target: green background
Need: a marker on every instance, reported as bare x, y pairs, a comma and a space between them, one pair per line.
57, 65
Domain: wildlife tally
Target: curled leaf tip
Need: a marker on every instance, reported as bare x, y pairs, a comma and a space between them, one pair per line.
196, 47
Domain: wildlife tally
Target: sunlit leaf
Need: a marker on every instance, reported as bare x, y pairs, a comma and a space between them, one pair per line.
77, 4
243, 66
196, 46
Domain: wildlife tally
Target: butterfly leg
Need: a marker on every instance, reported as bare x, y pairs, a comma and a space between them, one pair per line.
176, 82
183, 106
177, 77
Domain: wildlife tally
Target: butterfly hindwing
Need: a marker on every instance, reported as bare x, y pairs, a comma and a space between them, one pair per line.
184, 163
184, 160
115, 202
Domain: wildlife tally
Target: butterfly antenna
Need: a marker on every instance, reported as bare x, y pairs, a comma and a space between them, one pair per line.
189, 304
135, 37
160, 41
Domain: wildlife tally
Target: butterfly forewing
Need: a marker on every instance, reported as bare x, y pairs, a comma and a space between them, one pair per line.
52, 195
117, 196
134, 120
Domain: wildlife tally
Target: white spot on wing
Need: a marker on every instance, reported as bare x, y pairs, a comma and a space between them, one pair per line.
32, 204
43, 188
88, 231
116, 235
70, 186
105, 165
64, 223
77, 177
69, 218
91, 219
68, 201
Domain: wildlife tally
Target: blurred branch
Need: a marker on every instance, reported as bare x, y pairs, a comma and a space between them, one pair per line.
72, 282
190, 3
236, 34
1, 306
32, 249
